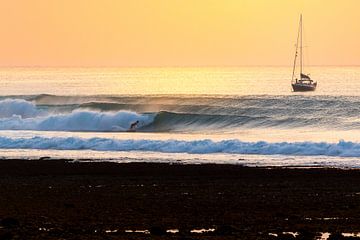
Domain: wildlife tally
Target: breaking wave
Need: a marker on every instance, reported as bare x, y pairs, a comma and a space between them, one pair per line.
340, 149
17, 107
177, 114
24, 115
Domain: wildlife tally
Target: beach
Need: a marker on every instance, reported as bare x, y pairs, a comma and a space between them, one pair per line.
65, 199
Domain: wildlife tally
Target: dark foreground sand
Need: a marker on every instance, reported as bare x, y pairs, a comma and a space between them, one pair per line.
53, 199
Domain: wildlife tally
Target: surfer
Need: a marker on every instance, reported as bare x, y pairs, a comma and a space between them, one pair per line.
134, 125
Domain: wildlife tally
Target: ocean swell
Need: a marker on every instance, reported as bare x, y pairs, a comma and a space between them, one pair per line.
178, 114
340, 149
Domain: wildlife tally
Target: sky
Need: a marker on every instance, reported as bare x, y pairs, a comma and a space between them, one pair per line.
124, 33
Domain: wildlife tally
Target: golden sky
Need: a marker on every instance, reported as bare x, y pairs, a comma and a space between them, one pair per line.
176, 32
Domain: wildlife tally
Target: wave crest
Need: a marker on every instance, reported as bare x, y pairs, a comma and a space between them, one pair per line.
18, 107
177, 114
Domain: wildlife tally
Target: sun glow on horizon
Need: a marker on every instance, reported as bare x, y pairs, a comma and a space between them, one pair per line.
176, 32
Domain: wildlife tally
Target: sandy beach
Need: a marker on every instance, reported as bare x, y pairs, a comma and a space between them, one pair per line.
62, 199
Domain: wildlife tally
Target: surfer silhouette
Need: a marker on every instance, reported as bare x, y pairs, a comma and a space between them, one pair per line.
134, 125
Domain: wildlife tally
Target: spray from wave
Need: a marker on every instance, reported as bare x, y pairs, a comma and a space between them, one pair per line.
24, 115
18, 107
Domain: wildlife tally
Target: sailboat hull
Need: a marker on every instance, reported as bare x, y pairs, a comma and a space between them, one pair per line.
298, 87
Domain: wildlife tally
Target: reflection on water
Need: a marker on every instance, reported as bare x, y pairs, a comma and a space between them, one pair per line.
140, 81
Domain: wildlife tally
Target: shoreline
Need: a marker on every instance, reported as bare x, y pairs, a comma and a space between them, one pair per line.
54, 199
239, 163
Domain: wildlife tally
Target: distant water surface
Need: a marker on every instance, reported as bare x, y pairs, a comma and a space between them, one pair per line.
333, 81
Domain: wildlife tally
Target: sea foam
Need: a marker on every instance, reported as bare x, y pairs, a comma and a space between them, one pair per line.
76, 121
16, 114
340, 149
18, 107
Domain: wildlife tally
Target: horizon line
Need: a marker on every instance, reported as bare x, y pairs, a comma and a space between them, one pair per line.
171, 66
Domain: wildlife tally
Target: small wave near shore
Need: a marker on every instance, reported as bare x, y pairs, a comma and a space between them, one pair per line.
340, 149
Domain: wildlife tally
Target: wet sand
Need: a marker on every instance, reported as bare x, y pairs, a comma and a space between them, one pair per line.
59, 199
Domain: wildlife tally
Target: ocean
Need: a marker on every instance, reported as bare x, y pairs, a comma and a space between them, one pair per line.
242, 115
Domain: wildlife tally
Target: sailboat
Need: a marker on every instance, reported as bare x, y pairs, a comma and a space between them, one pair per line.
304, 83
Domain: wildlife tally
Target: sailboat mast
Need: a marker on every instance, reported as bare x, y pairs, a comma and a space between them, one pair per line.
301, 56
296, 51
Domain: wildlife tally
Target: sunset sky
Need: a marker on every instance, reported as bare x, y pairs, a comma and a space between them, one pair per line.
176, 32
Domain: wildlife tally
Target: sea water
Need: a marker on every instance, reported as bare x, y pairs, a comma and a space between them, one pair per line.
244, 115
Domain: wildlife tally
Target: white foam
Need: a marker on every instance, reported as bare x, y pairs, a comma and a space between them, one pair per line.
17, 107
17, 114
340, 149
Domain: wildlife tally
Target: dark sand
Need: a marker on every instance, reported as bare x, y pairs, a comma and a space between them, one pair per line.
53, 199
